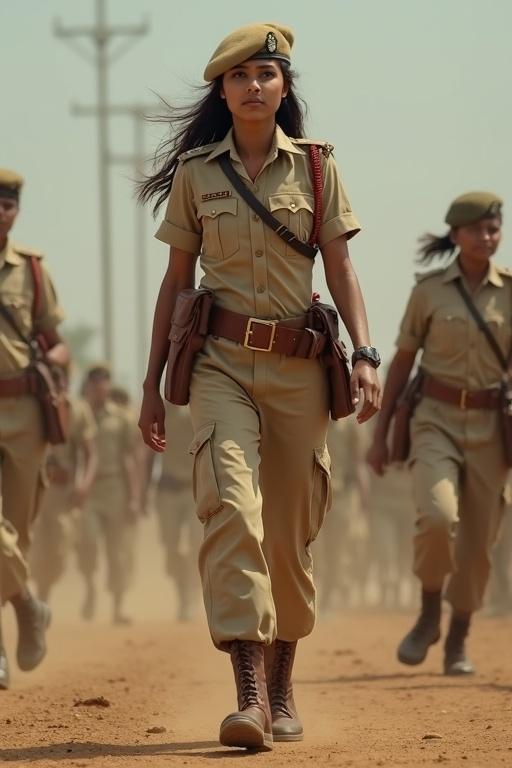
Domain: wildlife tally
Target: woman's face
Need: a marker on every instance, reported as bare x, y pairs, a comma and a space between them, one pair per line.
254, 90
478, 241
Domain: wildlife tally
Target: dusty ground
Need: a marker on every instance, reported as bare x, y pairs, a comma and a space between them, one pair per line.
359, 706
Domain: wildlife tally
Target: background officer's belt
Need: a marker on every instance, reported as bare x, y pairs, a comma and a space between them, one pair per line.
286, 337
16, 387
486, 399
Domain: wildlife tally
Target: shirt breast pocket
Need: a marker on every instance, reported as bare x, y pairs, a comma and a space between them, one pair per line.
220, 227
20, 309
295, 211
499, 328
448, 331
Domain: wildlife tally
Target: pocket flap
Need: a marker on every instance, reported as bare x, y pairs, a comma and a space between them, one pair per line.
214, 208
323, 459
201, 437
292, 202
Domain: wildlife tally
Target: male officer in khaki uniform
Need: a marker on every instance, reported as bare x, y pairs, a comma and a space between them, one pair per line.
71, 469
180, 530
111, 511
22, 441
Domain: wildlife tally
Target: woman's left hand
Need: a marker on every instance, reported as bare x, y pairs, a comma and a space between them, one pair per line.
364, 378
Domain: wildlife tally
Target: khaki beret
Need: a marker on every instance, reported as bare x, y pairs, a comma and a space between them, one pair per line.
10, 183
254, 41
472, 207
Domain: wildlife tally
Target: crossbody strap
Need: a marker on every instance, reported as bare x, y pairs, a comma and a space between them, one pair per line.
504, 362
33, 343
280, 229
14, 325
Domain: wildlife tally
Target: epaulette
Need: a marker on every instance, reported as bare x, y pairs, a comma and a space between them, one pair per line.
504, 271
197, 151
420, 276
24, 251
324, 146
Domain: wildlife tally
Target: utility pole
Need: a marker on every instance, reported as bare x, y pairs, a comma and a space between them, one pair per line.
101, 36
136, 160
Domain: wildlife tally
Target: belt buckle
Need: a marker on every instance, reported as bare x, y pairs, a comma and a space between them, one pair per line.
463, 398
248, 333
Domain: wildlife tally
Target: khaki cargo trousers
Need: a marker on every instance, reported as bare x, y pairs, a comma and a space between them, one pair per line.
459, 475
262, 488
53, 537
22, 451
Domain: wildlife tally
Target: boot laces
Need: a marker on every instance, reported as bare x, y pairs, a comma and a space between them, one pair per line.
246, 675
280, 677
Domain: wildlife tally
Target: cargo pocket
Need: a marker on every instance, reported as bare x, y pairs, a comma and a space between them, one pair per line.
205, 486
321, 496
220, 227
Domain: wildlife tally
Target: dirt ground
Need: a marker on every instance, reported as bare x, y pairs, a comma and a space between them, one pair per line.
360, 707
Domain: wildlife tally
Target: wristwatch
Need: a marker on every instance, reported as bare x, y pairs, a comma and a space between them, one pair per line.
369, 354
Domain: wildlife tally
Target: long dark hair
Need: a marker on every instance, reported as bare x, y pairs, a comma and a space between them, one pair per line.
434, 246
204, 121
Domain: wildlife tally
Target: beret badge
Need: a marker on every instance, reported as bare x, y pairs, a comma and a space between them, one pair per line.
271, 43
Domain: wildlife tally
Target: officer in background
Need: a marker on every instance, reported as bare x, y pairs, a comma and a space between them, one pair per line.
111, 512
71, 469
499, 601
180, 531
22, 439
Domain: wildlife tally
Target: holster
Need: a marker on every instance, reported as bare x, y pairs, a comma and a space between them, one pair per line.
51, 392
401, 428
189, 327
324, 318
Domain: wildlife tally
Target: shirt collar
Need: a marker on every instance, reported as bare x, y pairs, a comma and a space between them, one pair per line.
279, 142
493, 276
9, 255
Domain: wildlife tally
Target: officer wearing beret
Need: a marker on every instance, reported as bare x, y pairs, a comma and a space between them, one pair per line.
457, 454
22, 441
259, 411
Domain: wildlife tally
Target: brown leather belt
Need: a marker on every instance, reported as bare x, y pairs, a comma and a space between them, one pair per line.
286, 337
485, 399
16, 387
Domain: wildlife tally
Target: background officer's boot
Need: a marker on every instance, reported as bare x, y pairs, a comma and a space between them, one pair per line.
414, 647
455, 659
4, 666
33, 617
279, 657
251, 726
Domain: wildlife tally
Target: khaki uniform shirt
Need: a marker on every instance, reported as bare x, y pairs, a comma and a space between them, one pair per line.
455, 351
17, 293
177, 463
82, 427
116, 438
250, 269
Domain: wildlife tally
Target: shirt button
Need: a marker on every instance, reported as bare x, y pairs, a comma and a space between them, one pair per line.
213, 211
259, 253
292, 205
260, 289
255, 217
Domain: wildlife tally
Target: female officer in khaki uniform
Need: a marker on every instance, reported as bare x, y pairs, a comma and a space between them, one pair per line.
457, 456
260, 418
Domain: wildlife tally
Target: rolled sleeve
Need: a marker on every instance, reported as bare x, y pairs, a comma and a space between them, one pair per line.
337, 215
181, 227
414, 325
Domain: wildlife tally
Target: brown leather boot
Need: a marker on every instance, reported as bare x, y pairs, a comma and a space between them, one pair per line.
250, 727
286, 725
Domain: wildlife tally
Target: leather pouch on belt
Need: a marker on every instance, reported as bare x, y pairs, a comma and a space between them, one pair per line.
189, 328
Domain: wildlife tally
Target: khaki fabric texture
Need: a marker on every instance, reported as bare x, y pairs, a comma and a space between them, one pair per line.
250, 269
176, 462
55, 528
262, 489
457, 456
117, 436
13, 564
17, 292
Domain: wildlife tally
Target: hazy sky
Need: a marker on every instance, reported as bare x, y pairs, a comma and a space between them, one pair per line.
414, 94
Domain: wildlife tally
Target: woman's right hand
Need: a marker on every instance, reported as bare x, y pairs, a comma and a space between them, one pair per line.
152, 420
378, 456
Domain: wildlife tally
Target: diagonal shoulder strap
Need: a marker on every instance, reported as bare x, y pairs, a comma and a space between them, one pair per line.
280, 229
14, 325
483, 325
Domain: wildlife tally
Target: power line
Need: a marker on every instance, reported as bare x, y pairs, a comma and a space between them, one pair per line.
103, 54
